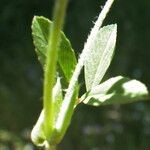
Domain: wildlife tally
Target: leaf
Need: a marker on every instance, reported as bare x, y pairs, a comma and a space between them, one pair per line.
100, 55
37, 135
66, 57
57, 97
117, 90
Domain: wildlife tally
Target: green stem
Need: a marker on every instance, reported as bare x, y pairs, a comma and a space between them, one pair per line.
50, 70
67, 103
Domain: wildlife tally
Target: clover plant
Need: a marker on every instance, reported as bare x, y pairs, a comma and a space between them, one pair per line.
61, 71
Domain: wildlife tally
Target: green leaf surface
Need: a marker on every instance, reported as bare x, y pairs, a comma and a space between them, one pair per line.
57, 97
100, 55
117, 90
66, 57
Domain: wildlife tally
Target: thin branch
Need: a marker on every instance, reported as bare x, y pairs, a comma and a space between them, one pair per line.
60, 125
50, 70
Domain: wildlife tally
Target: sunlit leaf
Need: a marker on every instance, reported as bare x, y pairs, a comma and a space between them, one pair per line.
117, 90
100, 55
37, 135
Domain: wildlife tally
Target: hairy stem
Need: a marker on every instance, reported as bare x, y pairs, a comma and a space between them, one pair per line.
67, 100
50, 70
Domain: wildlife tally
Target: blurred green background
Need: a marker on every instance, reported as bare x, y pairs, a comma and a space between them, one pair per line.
125, 127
